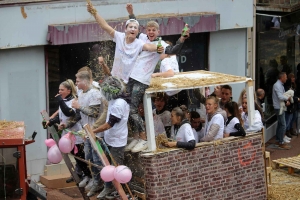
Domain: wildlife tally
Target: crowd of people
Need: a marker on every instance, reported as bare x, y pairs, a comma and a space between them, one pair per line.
115, 107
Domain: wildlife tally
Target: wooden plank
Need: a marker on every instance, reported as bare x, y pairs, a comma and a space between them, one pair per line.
66, 158
290, 170
97, 147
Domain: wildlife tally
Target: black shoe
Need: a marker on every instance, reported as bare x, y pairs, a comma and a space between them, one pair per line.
293, 132
288, 134
69, 180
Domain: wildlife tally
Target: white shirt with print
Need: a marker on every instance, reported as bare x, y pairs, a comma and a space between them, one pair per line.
125, 56
90, 98
116, 136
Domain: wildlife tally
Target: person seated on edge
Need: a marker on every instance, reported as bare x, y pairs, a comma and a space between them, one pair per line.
214, 126
260, 97
181, 131
258, 116
196, 125
115, 128
234, 123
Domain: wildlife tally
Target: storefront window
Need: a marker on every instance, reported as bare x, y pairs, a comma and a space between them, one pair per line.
277, 51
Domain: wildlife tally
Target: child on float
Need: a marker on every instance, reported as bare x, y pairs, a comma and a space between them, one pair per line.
88, 104
181, 130
214, 123
234, 123
66, 95
115, 128
258, 115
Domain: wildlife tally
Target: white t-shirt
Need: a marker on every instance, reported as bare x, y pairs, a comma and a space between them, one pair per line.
158, 125
257, 125
90, 98
125, 56
184, 133
64, 119
216, 119
196, 135
165, 117
116, 136
145, 64
230, 127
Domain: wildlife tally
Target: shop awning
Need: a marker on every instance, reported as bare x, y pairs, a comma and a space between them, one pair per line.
170, 24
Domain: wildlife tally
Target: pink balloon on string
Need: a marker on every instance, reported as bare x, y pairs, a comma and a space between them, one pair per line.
107, 173
67, 143
49, 142
122, 174
54, 155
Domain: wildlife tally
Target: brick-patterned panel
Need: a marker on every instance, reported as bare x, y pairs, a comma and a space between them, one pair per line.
230, 170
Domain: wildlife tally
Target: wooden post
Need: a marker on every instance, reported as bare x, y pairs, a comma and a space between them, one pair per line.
149, 122
250, 101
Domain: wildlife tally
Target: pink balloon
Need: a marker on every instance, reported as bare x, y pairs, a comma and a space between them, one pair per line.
49, 142
66, 144
122, 174
107, 173
54, 155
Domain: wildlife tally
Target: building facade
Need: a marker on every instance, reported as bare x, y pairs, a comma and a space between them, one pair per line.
44, 42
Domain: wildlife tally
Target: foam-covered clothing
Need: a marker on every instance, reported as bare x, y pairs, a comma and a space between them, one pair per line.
125, 56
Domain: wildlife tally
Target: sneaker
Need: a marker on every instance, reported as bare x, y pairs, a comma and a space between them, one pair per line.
288, 134
287, 138
284, 146
292, 132
131, 145
112, 195
95, 188
84, 182
140, 146
69, 180
88, 187
105, 192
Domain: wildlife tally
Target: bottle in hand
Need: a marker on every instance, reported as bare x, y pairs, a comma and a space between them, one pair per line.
159, 44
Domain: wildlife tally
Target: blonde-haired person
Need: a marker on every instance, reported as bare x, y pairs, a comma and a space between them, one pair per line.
214, 123
258, 116
88, 105
139, 78
65, 97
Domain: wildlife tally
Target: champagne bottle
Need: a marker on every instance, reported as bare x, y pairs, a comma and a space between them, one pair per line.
184, 30
159, 44
44, 124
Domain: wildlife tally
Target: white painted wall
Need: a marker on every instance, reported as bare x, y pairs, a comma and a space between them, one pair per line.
227, 54
17, 31
23, 96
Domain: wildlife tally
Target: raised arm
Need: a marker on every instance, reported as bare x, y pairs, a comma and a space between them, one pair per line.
102, 23
129, 8
104, 66
153, 48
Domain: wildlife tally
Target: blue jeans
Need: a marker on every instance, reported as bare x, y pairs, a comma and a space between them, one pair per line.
288, 120
92, 156
281, 126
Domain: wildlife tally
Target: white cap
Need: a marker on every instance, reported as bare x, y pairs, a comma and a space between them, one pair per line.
132, 21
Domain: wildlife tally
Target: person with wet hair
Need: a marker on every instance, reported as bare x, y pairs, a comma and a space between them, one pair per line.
181, 130
214, 126
234, 123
